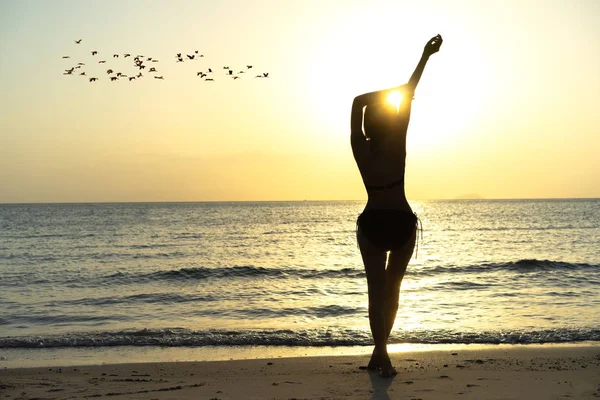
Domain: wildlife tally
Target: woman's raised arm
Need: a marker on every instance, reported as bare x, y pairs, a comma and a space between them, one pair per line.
379, 96
432, 46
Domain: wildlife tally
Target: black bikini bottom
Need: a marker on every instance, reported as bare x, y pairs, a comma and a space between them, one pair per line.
387, 229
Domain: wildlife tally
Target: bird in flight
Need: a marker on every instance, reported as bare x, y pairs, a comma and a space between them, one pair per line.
248, 66
93, 79
131, 78
82, 74
158, 77
235, 77
115, 56
201, 74
191, 57
66, 57
139, 75
209, 79
101, 61
154, 60
94, 52
113, 78
69, 71
178, 55
180, 60
109, 71
152, 69
80, 63
78, 41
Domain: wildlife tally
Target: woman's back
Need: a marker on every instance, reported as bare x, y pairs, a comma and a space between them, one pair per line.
381, 156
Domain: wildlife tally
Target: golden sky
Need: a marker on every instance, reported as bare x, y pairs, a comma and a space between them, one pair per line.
508, 108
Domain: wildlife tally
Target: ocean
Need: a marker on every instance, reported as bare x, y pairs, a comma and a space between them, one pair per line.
290, 274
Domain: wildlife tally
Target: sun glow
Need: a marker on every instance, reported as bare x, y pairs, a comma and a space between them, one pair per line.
395, 98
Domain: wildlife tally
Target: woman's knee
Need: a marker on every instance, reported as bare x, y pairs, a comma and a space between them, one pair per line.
376, 295
392, 294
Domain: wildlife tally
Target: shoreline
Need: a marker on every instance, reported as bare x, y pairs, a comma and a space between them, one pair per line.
11, 358
497, 371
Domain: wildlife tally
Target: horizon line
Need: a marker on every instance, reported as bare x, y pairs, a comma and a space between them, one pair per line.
290, 201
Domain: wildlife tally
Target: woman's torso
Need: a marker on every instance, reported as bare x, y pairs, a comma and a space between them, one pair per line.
382, 167
383, 176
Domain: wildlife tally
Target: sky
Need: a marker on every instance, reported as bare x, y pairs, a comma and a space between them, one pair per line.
508, 108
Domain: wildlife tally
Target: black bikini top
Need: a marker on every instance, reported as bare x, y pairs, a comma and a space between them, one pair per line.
384, 187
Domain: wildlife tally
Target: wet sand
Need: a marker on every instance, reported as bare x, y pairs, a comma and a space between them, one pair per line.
514, 372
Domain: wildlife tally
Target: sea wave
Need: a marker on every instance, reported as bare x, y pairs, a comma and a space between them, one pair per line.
524, 228
524, 266
140, 298
520, 266
180, 337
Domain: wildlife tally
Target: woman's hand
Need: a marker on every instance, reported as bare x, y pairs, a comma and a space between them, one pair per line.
433, 45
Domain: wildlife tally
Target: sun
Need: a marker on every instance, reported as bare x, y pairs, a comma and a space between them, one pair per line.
395, 98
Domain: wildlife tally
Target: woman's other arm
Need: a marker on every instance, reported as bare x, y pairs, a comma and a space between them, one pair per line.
358, 107
356, 117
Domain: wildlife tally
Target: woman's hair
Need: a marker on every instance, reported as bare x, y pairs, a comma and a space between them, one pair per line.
379, 120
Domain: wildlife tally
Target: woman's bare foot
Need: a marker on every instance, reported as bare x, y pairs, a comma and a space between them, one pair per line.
382, 363
378, 361
387, 371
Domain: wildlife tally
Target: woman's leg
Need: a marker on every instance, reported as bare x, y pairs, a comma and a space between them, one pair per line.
394, 273
374, 261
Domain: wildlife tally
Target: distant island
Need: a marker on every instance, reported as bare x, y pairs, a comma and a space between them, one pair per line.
469, 196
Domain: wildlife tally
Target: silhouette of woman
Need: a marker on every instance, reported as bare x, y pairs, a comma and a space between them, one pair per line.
387, 223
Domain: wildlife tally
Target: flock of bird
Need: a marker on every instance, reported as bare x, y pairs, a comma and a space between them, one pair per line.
141, 62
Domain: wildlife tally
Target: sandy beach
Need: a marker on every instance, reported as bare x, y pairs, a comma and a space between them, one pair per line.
506, 372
